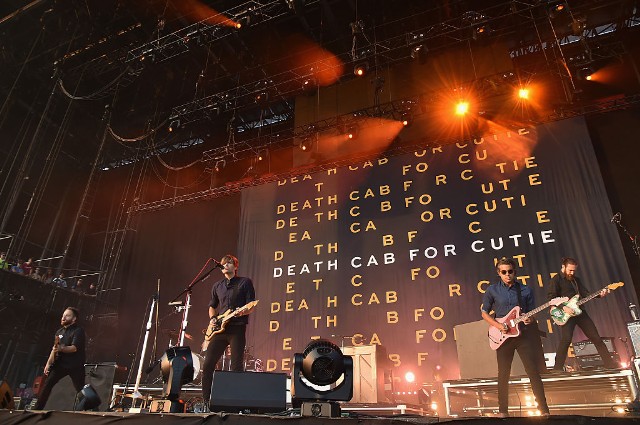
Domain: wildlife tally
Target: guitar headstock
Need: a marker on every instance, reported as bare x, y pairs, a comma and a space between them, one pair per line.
614, 285
558, 300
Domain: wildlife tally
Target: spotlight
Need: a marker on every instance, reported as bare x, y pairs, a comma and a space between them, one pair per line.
410, 377
361, 69
405, 119
462, 108
174, 125
556, 8
585, 73
419, 53
523, 93
306, 143
220, 164
352, 132
322, 364
262, 98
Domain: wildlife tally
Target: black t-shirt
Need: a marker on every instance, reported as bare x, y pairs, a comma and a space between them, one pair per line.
72, 335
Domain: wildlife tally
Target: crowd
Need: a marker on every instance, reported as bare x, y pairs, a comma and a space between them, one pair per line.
27, 268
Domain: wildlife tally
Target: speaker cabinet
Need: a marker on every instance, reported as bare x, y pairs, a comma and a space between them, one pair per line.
100, 376
475, 358
634, 335
586, 348
256, 392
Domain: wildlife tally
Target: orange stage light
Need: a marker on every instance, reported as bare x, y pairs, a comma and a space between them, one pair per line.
523, 93
462, 108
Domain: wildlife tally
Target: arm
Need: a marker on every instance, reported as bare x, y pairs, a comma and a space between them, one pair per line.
52, 357
487, 305
493, 322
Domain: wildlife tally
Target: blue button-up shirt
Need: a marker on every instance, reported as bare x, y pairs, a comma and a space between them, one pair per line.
501, 298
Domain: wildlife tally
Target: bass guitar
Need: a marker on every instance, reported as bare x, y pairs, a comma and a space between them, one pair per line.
218, 323
560, 316
512, 319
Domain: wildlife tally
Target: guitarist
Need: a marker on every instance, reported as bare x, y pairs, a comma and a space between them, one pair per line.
229, 293
66, 357
567, 284
501, 297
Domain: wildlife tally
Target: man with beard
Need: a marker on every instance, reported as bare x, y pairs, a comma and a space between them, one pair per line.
567, 284
501, 298
67, 356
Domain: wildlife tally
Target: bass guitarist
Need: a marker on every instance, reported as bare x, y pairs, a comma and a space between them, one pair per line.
229, 293
501, 298
67, 356
567, 284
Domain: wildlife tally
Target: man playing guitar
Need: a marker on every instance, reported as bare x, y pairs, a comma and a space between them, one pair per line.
66, 357
227, 294
567, 284
502, 297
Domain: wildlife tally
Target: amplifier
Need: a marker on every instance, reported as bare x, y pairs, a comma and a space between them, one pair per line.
634, 335
586, 348
592, 360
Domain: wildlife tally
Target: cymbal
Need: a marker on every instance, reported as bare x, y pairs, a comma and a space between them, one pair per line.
174, 334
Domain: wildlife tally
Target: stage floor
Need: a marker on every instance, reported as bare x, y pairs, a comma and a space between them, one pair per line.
8, 417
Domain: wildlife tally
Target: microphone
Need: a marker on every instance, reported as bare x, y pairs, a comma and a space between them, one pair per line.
217, 265
616, 218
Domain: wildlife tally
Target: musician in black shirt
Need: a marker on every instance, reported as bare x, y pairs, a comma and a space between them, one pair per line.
67, 356
567, 284
227, 294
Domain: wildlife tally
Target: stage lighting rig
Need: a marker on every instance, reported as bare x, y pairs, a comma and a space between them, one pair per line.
322, 365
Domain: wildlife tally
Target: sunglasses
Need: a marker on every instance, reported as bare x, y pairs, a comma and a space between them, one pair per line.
510, 271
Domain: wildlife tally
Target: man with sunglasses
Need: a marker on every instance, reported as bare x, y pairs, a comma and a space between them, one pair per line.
501, 298
567, 284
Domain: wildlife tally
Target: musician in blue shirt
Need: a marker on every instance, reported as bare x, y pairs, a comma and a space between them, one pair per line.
501, 298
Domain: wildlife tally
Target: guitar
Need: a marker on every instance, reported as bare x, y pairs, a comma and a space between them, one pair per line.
218, 323
512, 319
560, 316
56, 345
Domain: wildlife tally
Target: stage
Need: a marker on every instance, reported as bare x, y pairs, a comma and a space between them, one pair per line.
8, 417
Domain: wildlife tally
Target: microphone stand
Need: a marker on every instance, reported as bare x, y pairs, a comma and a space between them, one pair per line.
187, 305
617, 219
136, 394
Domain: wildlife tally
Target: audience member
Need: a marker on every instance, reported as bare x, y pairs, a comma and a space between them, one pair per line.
49, 277
27, 267
37, 274
18, 267
79, 288
60, 281
91, 291
4, 264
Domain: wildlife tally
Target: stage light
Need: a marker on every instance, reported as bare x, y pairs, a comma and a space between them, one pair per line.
410, 377
306, 143
352, 132
462, 108
361, 69
556, 8
523, 93
322, 364
419, 53
585, 73
406, 119
174, 125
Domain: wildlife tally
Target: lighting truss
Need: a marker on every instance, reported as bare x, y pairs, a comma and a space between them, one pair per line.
202, 32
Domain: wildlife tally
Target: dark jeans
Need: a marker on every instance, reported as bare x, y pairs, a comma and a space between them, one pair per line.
234, 336
589, 329
526, 350
55, 375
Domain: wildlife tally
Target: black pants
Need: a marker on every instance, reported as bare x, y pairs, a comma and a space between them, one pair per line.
526, 350
589, 329
234, 336
55, 375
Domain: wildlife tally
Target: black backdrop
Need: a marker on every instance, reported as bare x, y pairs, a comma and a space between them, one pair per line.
174, 243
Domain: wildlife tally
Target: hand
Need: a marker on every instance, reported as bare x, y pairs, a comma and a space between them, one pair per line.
604, 292
503, 327
567, 309
47, 370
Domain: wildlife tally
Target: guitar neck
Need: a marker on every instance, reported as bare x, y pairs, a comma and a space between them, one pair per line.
589, 297
532, 312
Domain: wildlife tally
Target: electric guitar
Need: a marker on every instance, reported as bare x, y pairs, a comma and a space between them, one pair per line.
512, 319
560, 316
218, 323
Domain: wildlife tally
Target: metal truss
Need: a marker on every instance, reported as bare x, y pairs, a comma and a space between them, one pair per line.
206, 32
